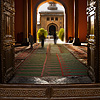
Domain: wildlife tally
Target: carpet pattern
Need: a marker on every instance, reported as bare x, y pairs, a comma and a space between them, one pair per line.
32, 66
60, 62
19, 49
70, 65
80, 52
52, 66
52, 60
23, 54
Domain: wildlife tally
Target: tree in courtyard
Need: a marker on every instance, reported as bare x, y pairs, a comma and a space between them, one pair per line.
41, 35
61, 34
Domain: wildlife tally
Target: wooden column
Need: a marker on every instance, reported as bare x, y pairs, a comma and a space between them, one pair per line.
34, 22
98, 15
25, 18
93, 37
76, 41
25, 42
1, 45
29, 16
66, 25
97, 41
7, 67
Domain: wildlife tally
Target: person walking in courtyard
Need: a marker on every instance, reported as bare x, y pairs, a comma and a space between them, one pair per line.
31, 40
42, 40
55, 38
41, 35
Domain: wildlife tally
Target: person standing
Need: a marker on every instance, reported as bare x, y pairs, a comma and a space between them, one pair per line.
55, 38
42, 40
31, 40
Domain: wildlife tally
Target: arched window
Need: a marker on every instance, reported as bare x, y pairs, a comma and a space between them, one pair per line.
52, 18
48, 18
56, 18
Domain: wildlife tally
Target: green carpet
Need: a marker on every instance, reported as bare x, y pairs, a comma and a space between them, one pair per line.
52, 60
70, 65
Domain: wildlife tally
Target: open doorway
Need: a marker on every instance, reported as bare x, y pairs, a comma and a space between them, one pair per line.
59, 50
52, 30
56, 61
53, 16
49, 91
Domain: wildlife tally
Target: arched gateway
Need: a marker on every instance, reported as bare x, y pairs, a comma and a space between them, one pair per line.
52, 30
48, 92
52, 19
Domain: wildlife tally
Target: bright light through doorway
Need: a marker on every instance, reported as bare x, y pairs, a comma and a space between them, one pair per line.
44, 8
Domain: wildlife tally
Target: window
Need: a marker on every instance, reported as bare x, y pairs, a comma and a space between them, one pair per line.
56, 18
48, 18
52, 18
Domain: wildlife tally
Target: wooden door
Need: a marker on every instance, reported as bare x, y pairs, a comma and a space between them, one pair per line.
92, 36
7, 40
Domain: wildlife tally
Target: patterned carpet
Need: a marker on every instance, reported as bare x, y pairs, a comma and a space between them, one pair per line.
32, 64
21, 53
52, 60
79, 52
70, 65
52, 64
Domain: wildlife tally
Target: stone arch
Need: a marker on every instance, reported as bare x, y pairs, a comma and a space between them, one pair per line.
35, 16
52, 24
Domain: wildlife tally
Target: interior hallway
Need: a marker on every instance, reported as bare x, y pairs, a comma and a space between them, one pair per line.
53, 64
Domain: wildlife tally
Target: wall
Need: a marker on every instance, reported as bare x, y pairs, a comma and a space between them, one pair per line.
19, 27
70, 12
82, 20
99, 36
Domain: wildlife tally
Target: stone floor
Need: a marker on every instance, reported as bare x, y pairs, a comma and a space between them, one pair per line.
52, 80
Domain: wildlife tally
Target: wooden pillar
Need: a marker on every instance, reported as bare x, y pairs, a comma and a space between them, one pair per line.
29, 16
6, 40
25, 18
93, 36
97, 41
32, 17
34, 22
76, 41
98, 18
66, 26
25, 40
1, 41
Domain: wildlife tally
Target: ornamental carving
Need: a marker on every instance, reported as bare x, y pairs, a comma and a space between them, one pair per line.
18, 92
7, 36
74, 92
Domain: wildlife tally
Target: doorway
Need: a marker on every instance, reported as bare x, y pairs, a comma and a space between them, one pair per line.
47, 91
52, 30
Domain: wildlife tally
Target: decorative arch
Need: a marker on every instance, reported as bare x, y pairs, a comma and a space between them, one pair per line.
51, 25
48, 1
41, 4
35, 16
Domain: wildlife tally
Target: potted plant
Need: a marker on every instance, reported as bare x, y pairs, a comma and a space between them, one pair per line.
41, 35
61, 34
